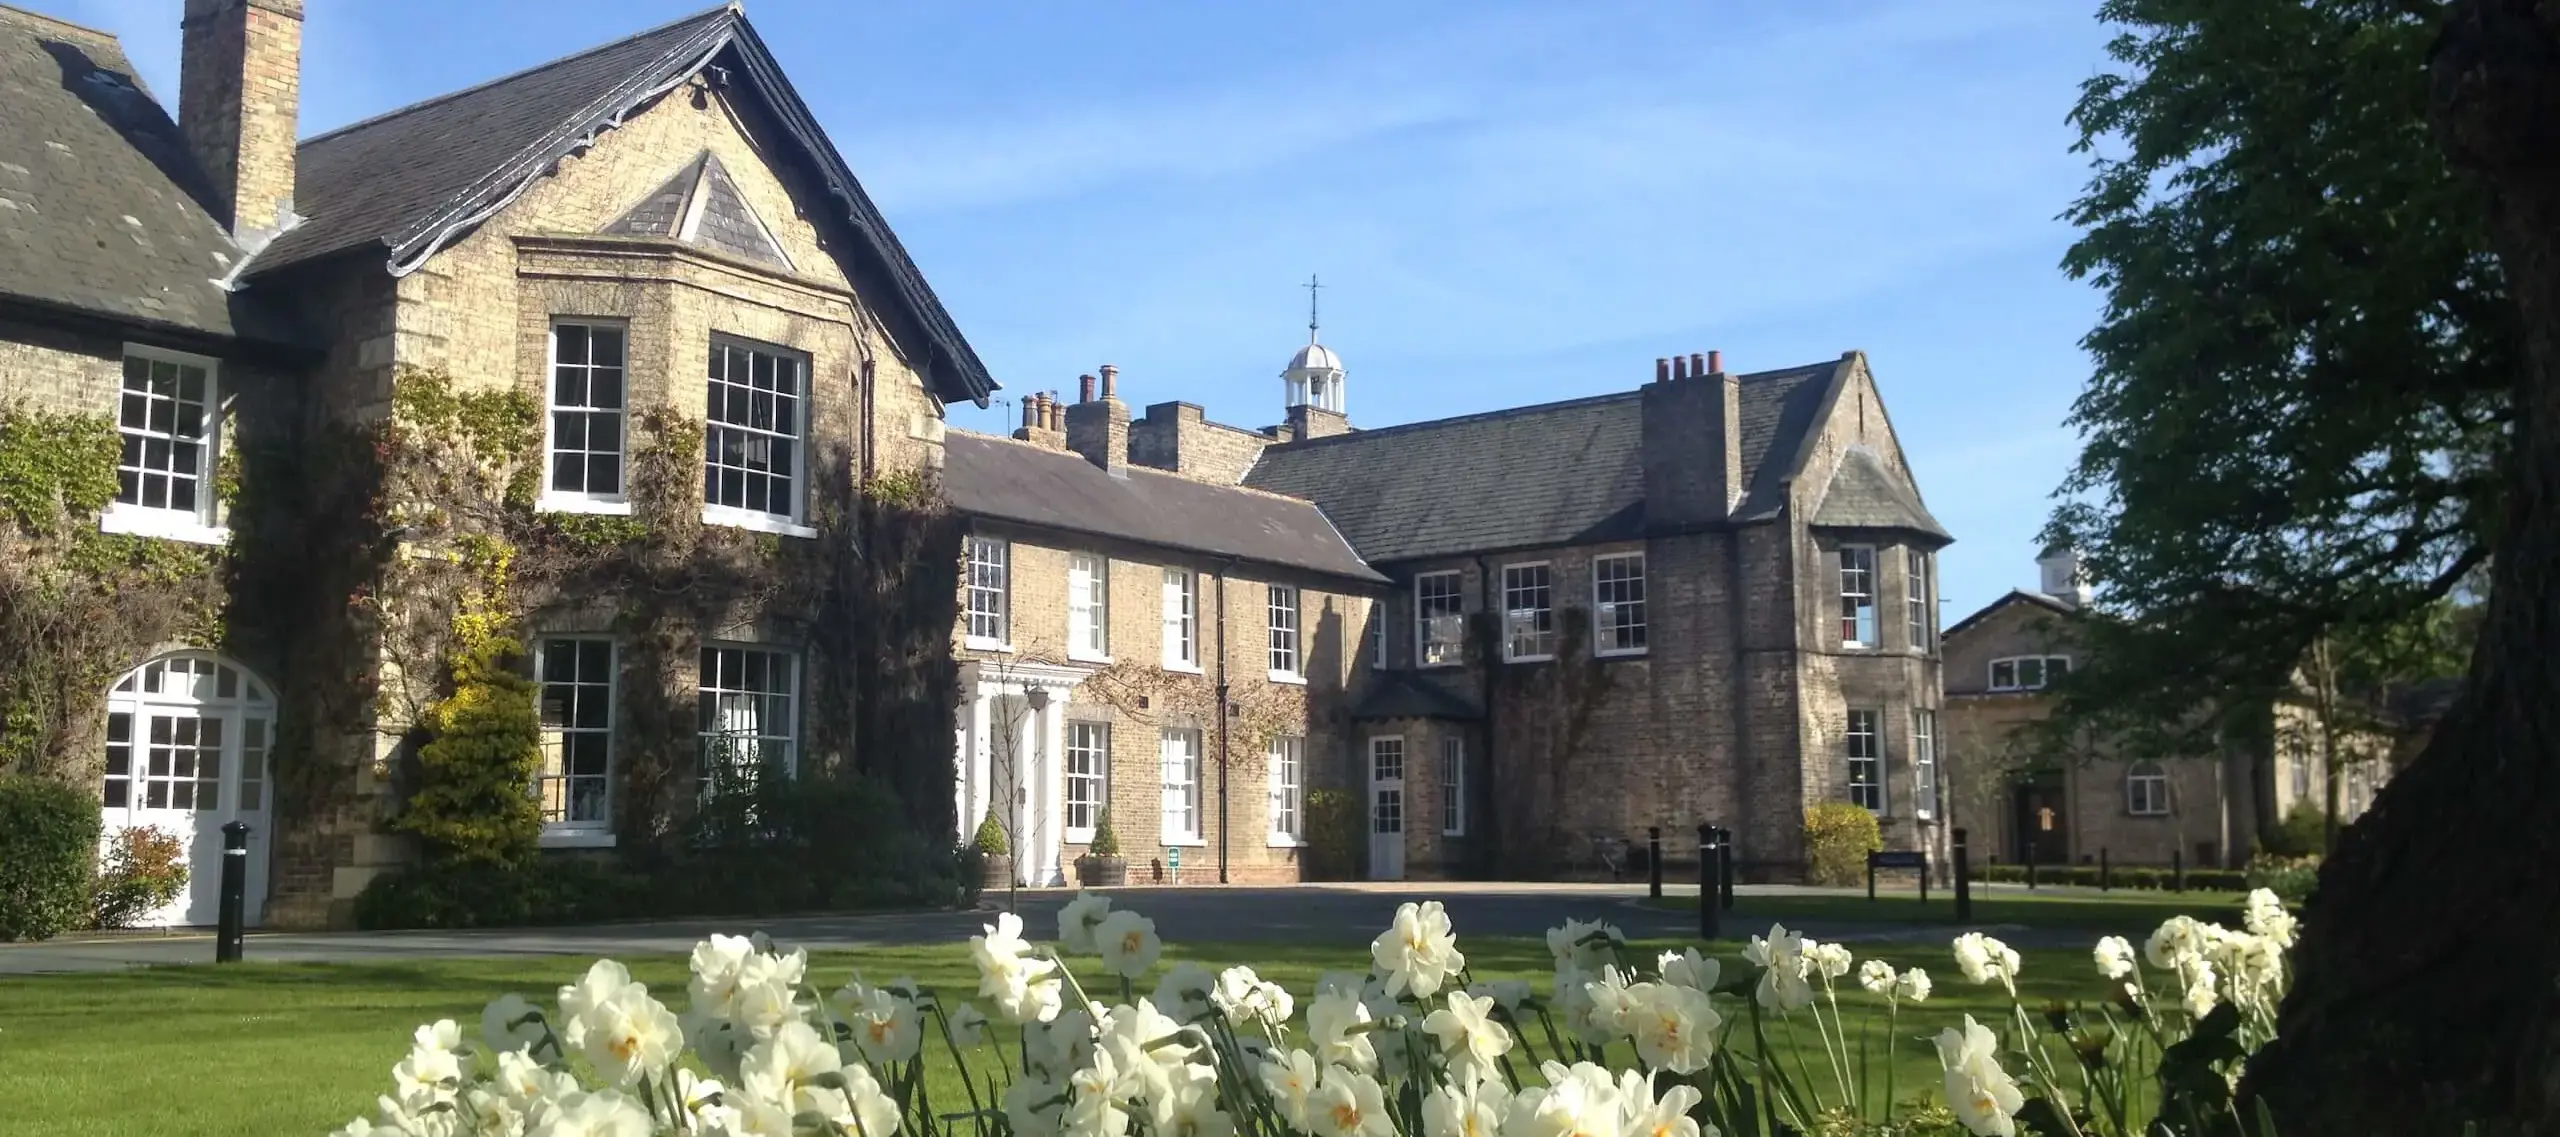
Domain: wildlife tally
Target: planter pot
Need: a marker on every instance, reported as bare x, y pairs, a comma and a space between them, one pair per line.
1102, 872
996, 871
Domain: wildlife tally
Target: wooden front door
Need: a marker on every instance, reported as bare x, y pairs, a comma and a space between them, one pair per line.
2042, 825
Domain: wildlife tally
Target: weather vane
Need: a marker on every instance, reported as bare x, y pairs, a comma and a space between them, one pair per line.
1311, 287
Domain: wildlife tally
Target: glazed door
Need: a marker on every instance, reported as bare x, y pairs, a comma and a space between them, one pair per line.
187, 739
1386, 809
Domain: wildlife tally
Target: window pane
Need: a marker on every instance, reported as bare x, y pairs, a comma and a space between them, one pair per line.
752, 443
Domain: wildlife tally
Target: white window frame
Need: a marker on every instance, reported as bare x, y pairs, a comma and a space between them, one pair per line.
1453, 786
1404, 783
1924, 763
1089, 608
574, 832
1609, 634
2146, 789
1857, 594
1092, 741
975, 620
1512, 613
1378, 616
1871, 761
200, 525
1288, 662
552, 498
788, 524
1424, 616
2017, 671
1181, 620
789, 691
1178, 821
1916, 570
1288, 761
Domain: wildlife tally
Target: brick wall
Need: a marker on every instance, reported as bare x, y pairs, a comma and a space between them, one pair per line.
240, 94
1175, 436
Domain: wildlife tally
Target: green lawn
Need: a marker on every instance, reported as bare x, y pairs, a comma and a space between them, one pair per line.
276, 1049
2124, 913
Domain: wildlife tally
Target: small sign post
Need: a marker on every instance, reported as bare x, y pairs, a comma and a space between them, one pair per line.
1898, 860
1173, 857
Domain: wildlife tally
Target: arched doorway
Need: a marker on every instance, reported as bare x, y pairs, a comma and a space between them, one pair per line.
187, 739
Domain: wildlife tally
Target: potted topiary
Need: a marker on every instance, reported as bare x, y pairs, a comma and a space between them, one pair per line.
995, 854
1102, 865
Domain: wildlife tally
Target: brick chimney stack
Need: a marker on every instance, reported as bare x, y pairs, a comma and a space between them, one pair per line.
1040, 422
1099, 428
239, 104
1692, 446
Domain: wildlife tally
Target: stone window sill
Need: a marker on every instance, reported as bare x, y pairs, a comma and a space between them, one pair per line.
1085, 657
982, 643
1184, 668
572, 503
1282, 841
756, 522
166, 524
1290, 678
576, 839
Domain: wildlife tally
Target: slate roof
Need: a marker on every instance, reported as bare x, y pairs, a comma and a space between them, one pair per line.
2014, 596
101, 204
1863, 494
727, 225
403, 183
1052, 489
1406, 695
1557, 474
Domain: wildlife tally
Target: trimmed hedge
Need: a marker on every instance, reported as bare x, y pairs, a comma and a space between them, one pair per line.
48, 857
1837, 838
2291, 878
2140, 877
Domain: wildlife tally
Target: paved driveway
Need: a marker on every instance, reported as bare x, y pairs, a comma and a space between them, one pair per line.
1349, 915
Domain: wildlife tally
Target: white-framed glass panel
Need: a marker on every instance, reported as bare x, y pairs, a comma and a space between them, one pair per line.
1915, 597
2028, 672
990, 601
1181, 752
1088, 776
1866, 760
1617, 604
2146, 789
1453, 786
1378, 634
749, 723
1924, 764
753, 430
1088, 607
167, 424
586, 418
1439, 620
1386, 781
1528, 612
1181, 619
187, 749
575, 685
1288, 786
1284, 631
1857, 596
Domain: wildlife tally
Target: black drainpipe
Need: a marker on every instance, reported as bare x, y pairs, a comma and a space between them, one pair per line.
1490, 848
1222, 719
869, 443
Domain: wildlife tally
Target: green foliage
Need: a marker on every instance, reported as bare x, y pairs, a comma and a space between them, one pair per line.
2143, 878
1106, 840
144, 869
54, 466
472, 803
590, 531
1837, 838
48, 857
1337, 836
2303, 832
503, 426
479, 894
2292, 878
2299, 392
991, 839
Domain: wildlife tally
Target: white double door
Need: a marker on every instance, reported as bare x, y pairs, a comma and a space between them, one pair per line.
187, 747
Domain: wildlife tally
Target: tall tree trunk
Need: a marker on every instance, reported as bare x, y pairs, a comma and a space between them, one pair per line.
2428, 991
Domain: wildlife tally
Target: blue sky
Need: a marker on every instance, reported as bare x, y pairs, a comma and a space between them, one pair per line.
1508, 202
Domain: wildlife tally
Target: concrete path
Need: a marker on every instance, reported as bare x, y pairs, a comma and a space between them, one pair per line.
1348, 914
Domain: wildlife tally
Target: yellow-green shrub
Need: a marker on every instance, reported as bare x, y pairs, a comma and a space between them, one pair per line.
1837, 838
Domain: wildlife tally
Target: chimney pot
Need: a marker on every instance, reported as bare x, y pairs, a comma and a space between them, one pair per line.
1111, 380
1679, 367
1715, 362
1084, 388
1698, 364
1031, 412
1662, 369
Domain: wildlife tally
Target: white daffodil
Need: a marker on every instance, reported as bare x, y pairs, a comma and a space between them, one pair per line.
716, 963
968, 1026
1674, 1027
1077, 920
1187, 993
886, 1028
1061, 1046
1292, 1078
1830, 961
1912, 986
1093, 1109
1035, 1108
2176, 938
1982, 959
2267, 916
1465, 1109
1687, 968
490, 1113
2202, 992
511, 1023
632, 1037
1982, 1095
1419, 951
602, 983
1349, 1103
1877, 977
1644, 1115
525, 1081
1134, 1038
785, 1068
1188, 1105
1335, 1023
1473, 1043
867, 1107
433, 1071
602, 1114
1023, 989
1577, 1101
2114, 957
1511, 994
705, 1100
1783, 965
1128, 944
768, 992
1584, 947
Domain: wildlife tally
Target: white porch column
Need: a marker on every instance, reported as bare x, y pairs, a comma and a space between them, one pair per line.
975, 762
1053, 787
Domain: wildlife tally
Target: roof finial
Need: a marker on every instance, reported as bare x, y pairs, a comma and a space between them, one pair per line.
1311, 287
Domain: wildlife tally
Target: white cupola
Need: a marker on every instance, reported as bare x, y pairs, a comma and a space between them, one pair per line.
2063, 578
1314, 376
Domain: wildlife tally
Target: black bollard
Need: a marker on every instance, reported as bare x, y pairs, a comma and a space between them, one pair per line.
1709, 912
1653, 858
2106, 874
1964, 881
2031, 864
235, 891
1724, 865
2177, 870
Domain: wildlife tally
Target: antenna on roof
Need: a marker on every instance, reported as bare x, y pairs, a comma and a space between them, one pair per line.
1311, 287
